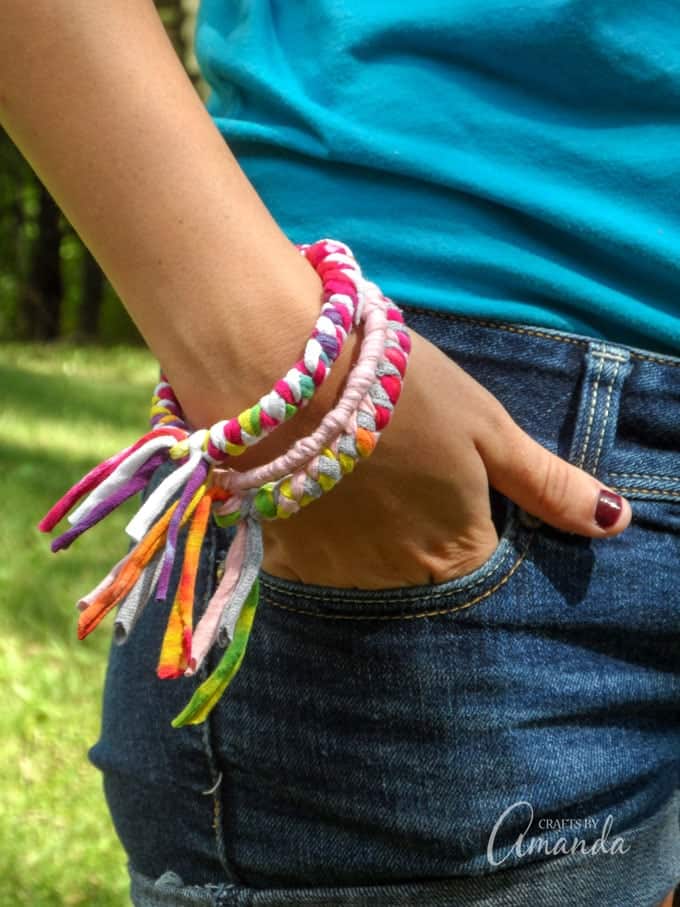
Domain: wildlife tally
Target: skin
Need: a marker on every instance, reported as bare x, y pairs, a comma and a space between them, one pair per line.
97, 101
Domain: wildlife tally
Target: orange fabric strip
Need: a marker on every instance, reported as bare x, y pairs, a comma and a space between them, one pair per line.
176, 648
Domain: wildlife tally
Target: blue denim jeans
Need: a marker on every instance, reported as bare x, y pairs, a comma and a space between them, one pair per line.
508, 737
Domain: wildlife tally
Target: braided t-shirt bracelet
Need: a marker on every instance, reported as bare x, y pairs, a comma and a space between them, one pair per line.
306, 471
130, 469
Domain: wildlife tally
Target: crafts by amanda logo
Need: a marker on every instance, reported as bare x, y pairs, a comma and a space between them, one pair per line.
551, 836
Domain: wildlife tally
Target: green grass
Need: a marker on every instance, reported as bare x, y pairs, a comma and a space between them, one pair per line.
62, 409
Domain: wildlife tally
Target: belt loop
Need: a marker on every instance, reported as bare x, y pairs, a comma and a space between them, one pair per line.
606, 369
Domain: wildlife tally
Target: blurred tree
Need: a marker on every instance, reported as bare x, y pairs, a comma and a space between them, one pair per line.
42, 260
14, 174
43, 287
93, 281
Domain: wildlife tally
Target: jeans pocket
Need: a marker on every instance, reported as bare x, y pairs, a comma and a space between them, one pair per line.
345, 755
516, 529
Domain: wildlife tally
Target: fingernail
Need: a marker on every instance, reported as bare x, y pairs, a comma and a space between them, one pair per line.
609, 509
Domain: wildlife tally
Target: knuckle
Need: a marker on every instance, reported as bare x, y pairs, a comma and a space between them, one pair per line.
495, 433
459, 557
554, 490
496, 420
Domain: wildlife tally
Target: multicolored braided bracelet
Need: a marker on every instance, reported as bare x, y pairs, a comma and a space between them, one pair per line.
130, 469
303, 474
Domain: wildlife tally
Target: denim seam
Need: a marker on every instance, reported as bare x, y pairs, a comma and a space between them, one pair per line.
214, 792
430, 613
644, 475
607, 406
656, 492
217, 777
591, 414
515, 329
604, 354
512, 531
368, 598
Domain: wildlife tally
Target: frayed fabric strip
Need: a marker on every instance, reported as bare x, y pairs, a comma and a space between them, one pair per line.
120, 475
200, 485
157, 502
252, 561
87, 599
206, 630
209, 693
135, 601
177, 642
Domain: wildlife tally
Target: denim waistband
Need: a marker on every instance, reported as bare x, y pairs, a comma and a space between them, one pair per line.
605, 388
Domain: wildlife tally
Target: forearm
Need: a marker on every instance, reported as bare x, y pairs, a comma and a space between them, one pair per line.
95, 98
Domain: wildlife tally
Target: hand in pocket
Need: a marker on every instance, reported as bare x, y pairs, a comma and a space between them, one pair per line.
417, 511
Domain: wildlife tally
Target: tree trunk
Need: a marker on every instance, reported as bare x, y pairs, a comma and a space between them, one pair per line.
41, 305
91, 298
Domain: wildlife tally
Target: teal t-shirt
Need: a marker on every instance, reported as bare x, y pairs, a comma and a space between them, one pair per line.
493, 158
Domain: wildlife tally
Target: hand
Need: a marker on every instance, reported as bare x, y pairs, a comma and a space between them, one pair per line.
417, 510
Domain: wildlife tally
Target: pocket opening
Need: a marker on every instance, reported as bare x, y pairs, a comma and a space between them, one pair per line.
514, 538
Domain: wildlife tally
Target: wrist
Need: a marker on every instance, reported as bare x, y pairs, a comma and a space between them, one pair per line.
220, 368
214, 384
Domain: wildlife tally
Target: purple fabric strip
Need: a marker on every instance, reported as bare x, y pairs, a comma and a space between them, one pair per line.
335, 317
329, 345
195, 480
134, 484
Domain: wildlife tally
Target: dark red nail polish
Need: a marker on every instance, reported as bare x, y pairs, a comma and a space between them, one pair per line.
609, 509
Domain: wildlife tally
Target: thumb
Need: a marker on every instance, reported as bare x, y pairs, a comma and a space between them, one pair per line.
549, 487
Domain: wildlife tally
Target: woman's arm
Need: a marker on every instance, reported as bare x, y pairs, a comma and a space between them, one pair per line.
94, 96
96, 99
